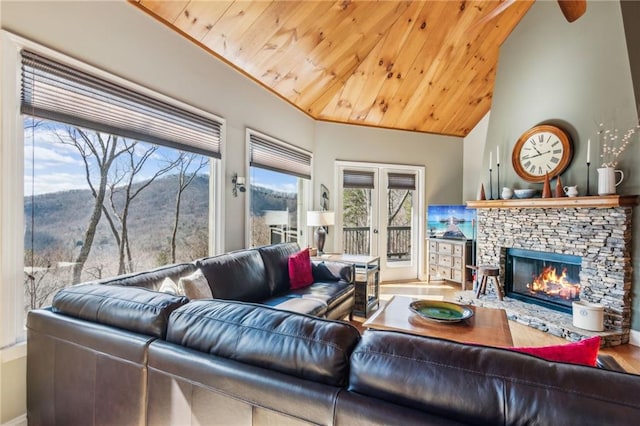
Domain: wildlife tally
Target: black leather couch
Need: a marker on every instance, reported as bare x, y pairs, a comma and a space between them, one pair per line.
114, 355
261, 275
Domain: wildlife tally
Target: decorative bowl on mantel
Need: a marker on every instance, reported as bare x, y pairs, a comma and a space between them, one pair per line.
525, 193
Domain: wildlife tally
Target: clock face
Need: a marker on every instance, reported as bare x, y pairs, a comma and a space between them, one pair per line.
540, 151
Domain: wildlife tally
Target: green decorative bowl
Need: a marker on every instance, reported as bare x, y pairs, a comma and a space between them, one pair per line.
435, 310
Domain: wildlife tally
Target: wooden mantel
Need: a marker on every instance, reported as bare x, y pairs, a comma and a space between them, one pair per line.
605, 201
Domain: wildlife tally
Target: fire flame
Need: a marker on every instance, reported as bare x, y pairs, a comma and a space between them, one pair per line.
549, 283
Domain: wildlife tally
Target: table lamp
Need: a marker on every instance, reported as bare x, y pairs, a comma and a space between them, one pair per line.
321, 219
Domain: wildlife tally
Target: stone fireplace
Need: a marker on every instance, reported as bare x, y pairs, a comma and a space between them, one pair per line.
593, 241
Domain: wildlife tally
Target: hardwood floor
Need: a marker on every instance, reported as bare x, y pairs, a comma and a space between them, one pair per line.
627, 355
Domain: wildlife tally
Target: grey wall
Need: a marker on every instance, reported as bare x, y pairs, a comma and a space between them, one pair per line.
575, 75
440, 155
474, 170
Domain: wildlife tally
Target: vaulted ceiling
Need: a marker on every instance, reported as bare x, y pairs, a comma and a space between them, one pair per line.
426, 66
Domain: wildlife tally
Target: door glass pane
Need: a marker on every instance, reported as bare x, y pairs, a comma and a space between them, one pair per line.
399, 221
274, 207
356, 221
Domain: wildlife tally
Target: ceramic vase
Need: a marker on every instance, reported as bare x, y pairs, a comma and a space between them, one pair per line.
546, 187
559, 189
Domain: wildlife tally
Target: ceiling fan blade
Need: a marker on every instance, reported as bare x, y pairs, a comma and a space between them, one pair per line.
495, 12
572, 9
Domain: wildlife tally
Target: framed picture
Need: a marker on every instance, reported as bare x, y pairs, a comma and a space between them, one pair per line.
324, 197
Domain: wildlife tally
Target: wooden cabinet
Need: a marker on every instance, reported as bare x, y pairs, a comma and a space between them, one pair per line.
448, 260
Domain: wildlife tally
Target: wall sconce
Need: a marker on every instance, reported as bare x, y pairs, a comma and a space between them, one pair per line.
238, 184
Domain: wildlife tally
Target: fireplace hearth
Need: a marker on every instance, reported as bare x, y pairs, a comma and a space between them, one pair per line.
547, 279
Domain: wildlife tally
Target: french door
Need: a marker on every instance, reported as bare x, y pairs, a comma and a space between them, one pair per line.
381, 207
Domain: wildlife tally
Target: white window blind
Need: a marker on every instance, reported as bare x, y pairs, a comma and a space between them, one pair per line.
56, 91
405, 181
277, 157
357, 179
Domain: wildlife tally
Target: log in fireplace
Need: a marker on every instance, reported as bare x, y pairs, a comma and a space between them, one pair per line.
547, 279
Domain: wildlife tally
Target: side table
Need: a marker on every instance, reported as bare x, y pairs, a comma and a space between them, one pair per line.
367, 282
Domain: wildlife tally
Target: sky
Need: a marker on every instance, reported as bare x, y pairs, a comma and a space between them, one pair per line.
52, 166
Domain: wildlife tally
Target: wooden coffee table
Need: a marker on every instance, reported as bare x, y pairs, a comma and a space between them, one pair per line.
486, 327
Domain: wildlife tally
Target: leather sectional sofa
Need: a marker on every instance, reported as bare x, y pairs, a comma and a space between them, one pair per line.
117, 355
261, 275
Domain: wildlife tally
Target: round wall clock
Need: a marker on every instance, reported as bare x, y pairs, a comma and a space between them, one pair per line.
542, 150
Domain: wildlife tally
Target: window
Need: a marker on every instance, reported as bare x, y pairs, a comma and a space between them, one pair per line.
278, 184
116, 178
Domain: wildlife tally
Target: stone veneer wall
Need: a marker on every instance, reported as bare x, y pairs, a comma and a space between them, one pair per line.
601, 236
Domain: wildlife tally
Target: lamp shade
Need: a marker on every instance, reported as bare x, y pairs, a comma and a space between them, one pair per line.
320, 218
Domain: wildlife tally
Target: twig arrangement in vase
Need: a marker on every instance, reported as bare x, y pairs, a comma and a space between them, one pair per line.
613, 145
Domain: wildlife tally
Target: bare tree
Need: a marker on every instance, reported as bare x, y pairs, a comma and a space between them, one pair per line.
44, 277
101, 149
123, 183
184, 162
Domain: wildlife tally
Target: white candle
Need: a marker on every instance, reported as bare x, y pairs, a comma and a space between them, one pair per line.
588, 150
490, 159
498, 156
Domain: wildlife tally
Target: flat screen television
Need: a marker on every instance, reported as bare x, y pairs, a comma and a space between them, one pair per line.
455, 221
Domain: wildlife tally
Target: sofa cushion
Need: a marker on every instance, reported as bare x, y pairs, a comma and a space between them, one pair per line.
330, 293
152, 279
295, 344
314, 307
496, 386
195, 286
238, 275
276, 263
584, 352
130, 308
332, 271
300, 275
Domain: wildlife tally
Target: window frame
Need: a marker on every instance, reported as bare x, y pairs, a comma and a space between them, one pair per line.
12, 315
303, 184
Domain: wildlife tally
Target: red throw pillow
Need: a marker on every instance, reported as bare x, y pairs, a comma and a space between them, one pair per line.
300, 269
583, 352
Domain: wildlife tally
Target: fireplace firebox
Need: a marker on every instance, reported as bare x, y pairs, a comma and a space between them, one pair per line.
547, 279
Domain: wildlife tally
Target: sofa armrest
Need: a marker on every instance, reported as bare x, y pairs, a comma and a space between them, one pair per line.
607, 362
328, 270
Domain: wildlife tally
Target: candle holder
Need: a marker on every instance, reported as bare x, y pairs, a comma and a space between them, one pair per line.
588, 164
498, 178
490, 186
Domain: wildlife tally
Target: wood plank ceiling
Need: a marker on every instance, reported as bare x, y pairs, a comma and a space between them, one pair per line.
426, 66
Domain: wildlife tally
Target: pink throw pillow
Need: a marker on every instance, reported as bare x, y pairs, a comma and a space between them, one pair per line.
584, 352
300, 269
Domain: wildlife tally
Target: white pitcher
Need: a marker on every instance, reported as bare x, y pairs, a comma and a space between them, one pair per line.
607, 180
571, 191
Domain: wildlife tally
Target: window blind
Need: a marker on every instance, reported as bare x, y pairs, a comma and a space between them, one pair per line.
55, 91
401, 181
357, 179
277, 157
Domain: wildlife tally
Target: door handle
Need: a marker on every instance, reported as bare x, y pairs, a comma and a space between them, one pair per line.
375, 231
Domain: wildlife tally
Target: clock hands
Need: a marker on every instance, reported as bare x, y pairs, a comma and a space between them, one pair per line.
527, 157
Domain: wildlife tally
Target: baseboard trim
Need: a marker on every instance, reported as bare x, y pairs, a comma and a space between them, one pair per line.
18, 421
634, 338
